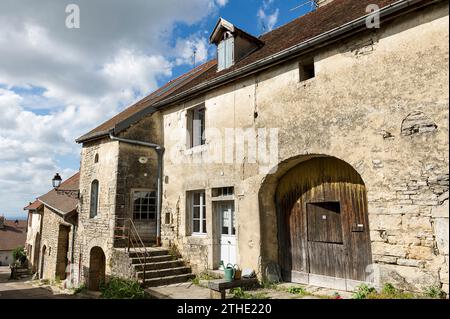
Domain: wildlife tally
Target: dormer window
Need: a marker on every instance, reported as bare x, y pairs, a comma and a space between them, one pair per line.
225, 52
232, 43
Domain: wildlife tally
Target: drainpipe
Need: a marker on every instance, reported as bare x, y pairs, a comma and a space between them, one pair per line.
160, 152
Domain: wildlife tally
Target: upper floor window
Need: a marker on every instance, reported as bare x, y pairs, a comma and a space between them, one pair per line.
196, 126
96, 158
144, 205
307, 70
225, 52
94, 199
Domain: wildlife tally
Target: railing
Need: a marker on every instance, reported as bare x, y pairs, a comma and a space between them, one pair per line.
133, 240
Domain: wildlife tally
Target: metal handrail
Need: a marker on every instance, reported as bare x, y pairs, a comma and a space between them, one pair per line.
133, 237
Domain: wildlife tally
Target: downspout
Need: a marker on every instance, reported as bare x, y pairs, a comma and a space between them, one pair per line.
160, 152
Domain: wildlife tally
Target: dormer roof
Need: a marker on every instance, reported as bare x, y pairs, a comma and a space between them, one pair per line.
223, 26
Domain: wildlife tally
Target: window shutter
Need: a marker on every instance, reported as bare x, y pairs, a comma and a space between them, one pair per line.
221, 55
229, 52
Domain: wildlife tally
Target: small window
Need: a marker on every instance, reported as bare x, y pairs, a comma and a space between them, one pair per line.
94, 199
198, 211
144, 205
307, 70
196, 127
223, 191
96, 159
225, 52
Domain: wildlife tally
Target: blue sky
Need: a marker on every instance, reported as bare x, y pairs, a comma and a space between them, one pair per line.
58, 83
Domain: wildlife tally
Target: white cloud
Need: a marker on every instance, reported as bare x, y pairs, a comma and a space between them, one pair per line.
267, 17
57, 83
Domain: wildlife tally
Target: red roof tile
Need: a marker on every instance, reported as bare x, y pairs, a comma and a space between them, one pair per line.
33, 206
313, 24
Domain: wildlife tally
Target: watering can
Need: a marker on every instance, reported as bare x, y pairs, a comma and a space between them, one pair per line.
229, 272
237, 272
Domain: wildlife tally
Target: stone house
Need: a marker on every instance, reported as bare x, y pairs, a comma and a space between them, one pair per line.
13, 234
57, 232
319, 148
34, 231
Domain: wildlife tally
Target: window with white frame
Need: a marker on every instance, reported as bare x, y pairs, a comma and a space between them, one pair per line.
144, 204
198, 212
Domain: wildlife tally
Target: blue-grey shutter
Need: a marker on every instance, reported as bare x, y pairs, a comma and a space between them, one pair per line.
94, 199
229, 52
221, 55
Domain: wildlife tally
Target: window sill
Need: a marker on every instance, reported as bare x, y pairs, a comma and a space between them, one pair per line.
196, 150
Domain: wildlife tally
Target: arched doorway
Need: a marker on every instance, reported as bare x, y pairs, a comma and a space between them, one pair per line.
42, 268
37, 245
323, 231
96, 268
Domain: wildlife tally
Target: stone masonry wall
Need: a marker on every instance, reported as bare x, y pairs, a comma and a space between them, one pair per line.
379, 101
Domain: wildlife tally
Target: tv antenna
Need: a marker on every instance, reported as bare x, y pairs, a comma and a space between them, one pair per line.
313, 5
194, 54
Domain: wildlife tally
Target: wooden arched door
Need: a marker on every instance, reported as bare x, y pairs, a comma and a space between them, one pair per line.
96, 268
322, 222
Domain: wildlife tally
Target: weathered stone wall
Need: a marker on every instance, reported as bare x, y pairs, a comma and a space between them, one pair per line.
33, 239
379, 101
135, 176
51, 223
97, 231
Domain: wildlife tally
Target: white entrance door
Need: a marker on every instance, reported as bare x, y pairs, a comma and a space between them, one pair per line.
228, 233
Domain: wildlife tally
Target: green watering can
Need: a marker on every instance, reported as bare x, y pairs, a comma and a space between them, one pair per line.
229, 272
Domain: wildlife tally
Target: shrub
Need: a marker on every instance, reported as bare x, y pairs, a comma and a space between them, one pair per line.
434, 292
239, 293
296, 290
389, 289
362, 291
118, 288
19, 254
81, 289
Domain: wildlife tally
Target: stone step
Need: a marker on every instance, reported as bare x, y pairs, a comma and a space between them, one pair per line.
154, 259
164, 281
150, 253
168, 272
159, 265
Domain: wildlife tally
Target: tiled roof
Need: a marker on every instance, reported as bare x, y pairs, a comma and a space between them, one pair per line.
63, 202
13, 234
300, 30
156, 96
33, 206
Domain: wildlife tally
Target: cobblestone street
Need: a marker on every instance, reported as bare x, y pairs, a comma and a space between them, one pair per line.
20, 289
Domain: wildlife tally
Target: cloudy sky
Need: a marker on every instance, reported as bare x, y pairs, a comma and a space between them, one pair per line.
58, 83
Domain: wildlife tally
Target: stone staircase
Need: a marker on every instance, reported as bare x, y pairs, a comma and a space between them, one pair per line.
161, 268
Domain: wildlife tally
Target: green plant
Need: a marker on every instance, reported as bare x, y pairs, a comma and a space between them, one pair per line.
80, 289
239, 293
362, 291
118, 288
57, 280
434, 292
389, 289
19, 254
202, 276
297, 290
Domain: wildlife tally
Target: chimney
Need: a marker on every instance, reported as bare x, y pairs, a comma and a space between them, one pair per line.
321, 3
2, 222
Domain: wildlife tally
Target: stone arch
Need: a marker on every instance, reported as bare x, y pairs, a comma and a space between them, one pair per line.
97, 264
283, 191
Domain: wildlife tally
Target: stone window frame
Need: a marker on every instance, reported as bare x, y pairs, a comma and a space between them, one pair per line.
142, 190
97, 204
190, 114
202, 213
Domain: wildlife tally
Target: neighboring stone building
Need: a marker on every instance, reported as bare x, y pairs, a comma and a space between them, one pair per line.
58, 231
320, 147
34, 231
13, 234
